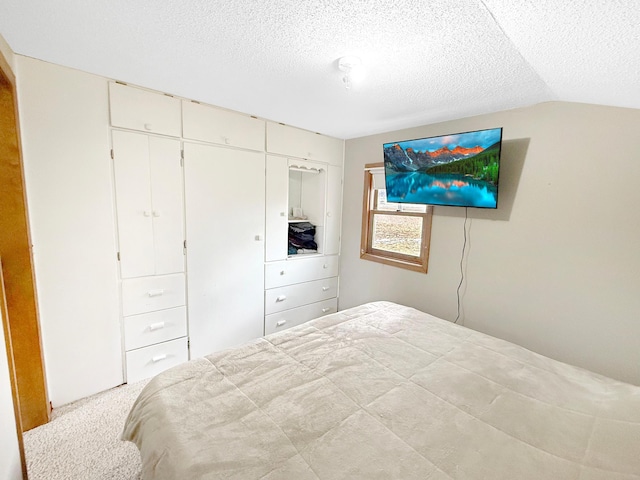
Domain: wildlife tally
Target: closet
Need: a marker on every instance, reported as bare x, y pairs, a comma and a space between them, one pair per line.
303, 199
206, 200
148, 189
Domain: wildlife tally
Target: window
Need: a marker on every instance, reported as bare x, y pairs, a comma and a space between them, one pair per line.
393, 233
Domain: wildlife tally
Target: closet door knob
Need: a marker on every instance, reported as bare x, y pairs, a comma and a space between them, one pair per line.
158, 358
326, 309
148, 127
324, 289
146, 213
156, 213
280, 323
281, 298
281, 272
325, 266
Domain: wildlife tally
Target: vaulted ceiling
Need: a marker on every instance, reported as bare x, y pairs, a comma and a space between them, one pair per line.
425, 61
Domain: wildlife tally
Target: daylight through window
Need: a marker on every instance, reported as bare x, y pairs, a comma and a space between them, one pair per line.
393, 233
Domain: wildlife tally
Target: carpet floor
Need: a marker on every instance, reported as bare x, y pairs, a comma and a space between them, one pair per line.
82, 440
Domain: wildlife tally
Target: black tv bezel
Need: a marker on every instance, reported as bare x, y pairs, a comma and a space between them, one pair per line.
384, 145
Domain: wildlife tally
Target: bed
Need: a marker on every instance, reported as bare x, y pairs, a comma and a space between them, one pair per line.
383, 391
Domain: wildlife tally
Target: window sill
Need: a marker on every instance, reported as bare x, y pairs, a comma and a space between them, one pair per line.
395, 262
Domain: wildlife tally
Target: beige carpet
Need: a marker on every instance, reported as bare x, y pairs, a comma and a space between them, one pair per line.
82, 440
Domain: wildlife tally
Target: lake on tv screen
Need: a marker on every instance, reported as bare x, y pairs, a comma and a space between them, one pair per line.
440, 189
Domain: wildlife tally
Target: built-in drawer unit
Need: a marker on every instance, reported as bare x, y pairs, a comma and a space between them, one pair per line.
288, 272
155, 324
148, 294
280, 321
149, 361
155, 327
291, 296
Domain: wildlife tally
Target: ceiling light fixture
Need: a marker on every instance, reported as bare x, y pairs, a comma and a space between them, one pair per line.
351, 67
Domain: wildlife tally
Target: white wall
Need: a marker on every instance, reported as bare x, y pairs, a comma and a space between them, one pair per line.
64, 119
555, 268
10, 465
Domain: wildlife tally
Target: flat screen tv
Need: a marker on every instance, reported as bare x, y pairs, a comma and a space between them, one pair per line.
460, 169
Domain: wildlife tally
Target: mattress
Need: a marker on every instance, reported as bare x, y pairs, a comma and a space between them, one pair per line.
384, 391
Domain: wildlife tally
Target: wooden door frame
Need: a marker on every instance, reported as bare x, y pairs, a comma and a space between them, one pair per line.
21, 323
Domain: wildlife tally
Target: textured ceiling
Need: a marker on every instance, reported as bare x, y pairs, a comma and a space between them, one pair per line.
425, 61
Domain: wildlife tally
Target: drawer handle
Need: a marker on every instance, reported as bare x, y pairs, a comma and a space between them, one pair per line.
155, 293
324, 289
156, 326
281, 272
326, 309
148, 127
281, 298
159, 358
280, 323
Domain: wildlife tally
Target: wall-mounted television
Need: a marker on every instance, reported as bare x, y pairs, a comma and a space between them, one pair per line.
460, 169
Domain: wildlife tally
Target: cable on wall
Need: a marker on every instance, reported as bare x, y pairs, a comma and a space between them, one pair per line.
464, 248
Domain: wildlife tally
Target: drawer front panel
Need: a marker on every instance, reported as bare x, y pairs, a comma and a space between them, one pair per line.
288, 272
280, 321
286, 140
291, 296
149, 361
224, 127
148, 294
142, 110
155, 327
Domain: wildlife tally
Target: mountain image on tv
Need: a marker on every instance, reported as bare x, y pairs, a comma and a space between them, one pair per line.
458, 170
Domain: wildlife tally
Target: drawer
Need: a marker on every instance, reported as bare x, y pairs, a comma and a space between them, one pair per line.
155, 327
286, 140
142, 110
224, 127
149, 361
277, 322
298, 270
291, 296
148, 294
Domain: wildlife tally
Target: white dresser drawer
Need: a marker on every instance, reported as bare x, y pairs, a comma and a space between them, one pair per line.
148, 294
149, 361
286, 140
291, 296
155, 327
298, 270
224, 127
139, 109
277, 322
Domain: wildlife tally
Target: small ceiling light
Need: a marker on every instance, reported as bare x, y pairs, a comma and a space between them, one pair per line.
352, 68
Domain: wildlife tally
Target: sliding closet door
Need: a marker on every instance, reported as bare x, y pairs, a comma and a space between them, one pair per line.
224, 193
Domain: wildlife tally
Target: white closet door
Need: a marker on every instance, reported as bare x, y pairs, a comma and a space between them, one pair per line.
277, 205
166, 201
224, 192
133, 203
334, 211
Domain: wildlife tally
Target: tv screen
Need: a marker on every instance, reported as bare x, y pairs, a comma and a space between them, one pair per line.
459, 169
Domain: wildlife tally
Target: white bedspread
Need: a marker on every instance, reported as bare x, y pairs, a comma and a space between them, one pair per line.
383, 391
